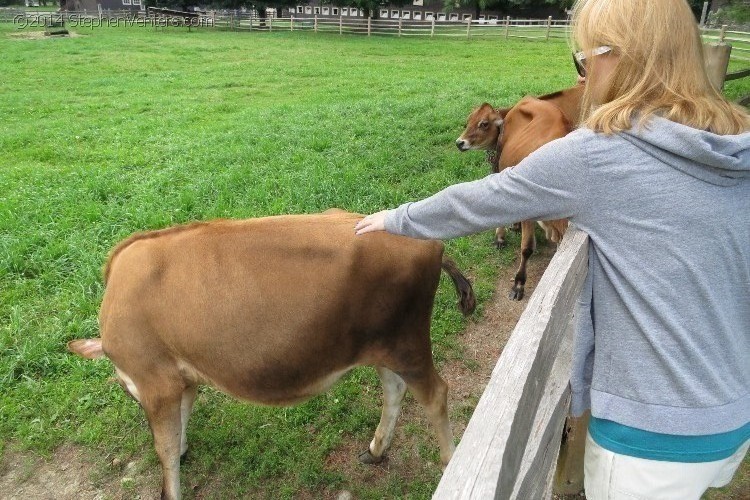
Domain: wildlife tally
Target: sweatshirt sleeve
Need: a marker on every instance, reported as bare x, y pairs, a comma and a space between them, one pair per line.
548, 184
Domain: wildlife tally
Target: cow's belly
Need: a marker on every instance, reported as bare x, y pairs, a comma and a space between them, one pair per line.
265, 386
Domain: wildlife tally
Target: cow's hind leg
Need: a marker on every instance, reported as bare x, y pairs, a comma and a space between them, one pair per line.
394, 389
528, 245
431, 391
186, 408
499, 238
162, 405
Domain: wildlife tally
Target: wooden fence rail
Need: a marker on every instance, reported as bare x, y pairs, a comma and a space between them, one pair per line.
510, 446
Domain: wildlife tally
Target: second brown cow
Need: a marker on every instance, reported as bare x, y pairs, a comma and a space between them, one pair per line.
509, 135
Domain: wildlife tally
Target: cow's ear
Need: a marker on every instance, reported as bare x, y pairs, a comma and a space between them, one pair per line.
87, 348
499, 123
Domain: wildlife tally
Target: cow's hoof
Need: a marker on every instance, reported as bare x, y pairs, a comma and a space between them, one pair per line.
516, 293
368, 458
184, 456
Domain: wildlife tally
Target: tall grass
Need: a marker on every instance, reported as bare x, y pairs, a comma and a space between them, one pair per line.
121, 130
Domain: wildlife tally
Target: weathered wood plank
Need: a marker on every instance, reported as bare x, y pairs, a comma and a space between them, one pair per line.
496, 436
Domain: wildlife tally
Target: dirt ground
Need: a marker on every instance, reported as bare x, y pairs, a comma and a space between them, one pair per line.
67, 474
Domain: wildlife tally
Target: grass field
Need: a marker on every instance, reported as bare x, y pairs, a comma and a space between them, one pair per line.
121, 130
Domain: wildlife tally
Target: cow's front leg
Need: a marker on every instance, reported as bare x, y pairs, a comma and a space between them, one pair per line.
394, 389
528, 245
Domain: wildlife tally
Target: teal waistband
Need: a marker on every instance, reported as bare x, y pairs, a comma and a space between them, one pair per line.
666, 447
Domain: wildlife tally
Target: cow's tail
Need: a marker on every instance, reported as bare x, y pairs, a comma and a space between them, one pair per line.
467, 302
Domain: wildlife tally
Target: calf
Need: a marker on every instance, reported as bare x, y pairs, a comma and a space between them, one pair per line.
274, 311
511, 134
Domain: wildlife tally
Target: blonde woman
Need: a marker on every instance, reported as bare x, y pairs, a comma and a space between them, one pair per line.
658, 175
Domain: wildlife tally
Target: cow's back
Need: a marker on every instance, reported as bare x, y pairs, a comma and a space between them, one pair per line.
261, 307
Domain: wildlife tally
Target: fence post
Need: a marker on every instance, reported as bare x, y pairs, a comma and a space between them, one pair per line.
315, 24
369, 23
251, 21
432, 28
468, 27
703, 15
270, 23
549, 25
569, 471
341, 25
507, 26
291, 22
231, 22
723, 33
399, 26
716, 56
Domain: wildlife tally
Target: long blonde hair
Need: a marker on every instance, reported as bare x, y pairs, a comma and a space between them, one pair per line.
660, 70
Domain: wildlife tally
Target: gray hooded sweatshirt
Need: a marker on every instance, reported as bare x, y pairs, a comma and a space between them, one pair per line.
663, 325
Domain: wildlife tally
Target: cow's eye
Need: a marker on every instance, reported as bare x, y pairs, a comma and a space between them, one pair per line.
483, 124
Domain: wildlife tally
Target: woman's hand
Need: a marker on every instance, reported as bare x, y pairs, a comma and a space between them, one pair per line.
374, 222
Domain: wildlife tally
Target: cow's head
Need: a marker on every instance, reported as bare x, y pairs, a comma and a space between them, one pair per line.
483, 128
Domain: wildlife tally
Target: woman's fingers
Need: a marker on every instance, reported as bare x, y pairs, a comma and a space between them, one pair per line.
373, 222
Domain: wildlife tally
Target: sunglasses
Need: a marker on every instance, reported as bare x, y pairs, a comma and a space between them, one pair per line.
579, 58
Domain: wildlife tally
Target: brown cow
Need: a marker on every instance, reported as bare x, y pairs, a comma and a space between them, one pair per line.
271, 310
511, 134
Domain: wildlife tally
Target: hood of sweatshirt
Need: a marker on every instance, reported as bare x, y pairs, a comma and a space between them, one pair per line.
722, 160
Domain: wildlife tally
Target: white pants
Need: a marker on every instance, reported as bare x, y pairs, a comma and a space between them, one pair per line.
611, 476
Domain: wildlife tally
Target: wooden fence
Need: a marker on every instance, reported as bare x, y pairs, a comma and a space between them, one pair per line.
739, 40
510, 447
544, 29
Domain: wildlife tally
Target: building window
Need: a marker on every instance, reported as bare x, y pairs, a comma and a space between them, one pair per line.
308, 10
384, 13
417, 16
394, 14
429, 16
136, 2
126, 2
300, 9
405, 14
344, 11
316, 10
335, 11
353, 12
441, 17
326, 11
467, 17
454, 17
418, 3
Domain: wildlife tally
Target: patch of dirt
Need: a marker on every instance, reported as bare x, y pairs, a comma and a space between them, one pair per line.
67, 475
39, 35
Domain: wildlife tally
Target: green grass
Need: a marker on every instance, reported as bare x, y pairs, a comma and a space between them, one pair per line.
121, 130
